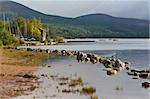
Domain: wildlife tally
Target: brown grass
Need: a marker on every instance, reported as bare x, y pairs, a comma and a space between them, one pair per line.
14, 62
88, 90
75, 82
23, 57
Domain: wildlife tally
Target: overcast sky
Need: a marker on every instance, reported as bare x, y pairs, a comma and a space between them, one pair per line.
74, 8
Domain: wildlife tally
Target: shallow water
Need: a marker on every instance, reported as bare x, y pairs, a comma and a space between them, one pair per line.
105, 85
135, 52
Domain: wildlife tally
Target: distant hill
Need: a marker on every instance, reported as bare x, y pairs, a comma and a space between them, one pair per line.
11, 7
93, 25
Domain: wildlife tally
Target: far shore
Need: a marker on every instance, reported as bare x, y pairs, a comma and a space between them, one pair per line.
116, 37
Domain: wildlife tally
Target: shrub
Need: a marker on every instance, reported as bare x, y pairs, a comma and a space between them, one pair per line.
21, 41
60, 39
1, 43
48, 39
7, 38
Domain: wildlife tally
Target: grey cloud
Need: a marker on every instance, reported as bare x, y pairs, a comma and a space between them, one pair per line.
69, 8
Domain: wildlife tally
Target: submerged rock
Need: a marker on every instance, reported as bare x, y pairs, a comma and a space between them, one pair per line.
144, 75
146, 84
132, 73
48, 51
49, 66
55, 51
29, 49
119, 88
111, 72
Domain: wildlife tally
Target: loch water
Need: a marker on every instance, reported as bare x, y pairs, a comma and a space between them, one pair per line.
136, 52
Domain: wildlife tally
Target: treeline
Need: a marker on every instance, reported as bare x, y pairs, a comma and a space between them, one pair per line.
12, 31
81, 31
67, 31
15, 31
29, 28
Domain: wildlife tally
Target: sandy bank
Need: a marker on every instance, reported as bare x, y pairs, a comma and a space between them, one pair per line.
12, 63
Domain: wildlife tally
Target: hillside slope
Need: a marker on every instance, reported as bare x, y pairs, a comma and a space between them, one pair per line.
97, 25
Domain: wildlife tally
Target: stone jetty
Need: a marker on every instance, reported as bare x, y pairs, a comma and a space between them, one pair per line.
111, 65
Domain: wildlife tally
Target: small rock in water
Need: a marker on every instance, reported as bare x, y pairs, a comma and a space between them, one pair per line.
127, 68
70, 65
132, 73
49, 66
145, 84
111, 72
48, 51
135, 78
143, 75
119, 88
44, 75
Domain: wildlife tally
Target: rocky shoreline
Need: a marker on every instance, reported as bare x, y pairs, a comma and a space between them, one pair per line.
112, 65
30, 82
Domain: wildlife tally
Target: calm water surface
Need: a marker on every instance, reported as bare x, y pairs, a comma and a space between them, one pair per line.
103, 44
134, 51
104, 84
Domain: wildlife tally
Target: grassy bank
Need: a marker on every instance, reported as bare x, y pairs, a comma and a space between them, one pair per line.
16, 68
23, 57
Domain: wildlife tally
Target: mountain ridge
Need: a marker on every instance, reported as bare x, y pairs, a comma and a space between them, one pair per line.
8, 2
95, 23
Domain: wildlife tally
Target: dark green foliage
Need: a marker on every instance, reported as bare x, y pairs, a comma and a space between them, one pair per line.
30, 28
59, 39
7, 38
49, 39
68, 31
1, 43
21, 41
